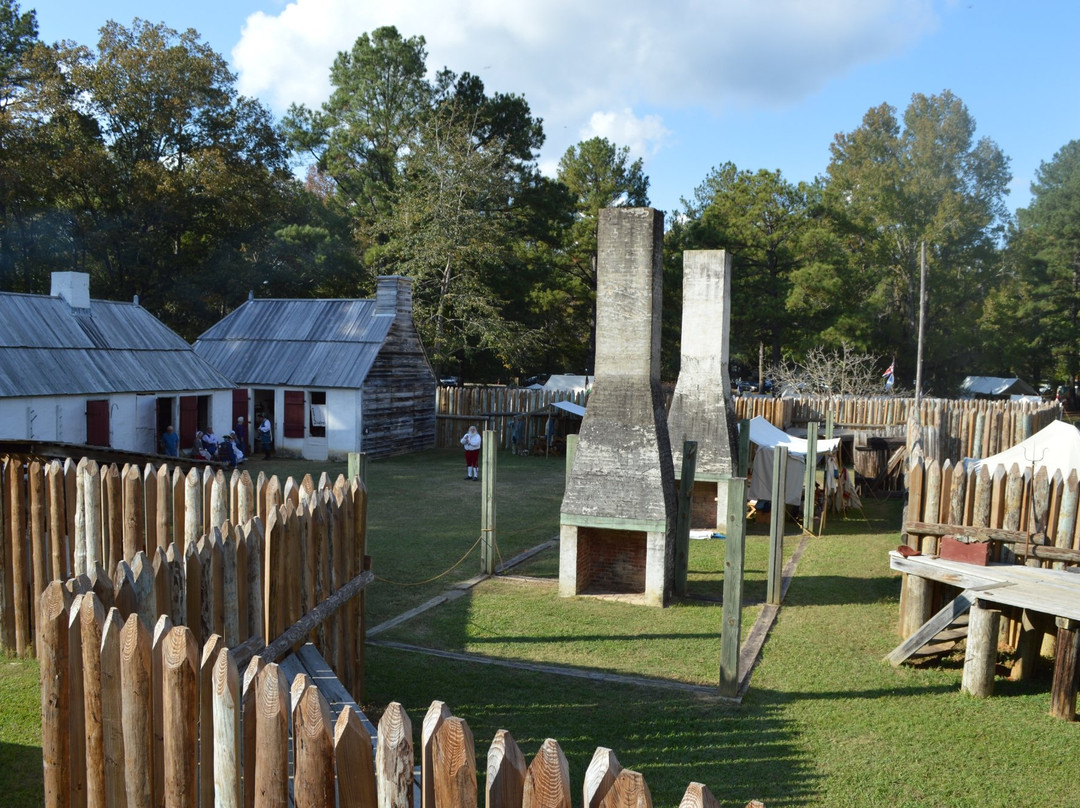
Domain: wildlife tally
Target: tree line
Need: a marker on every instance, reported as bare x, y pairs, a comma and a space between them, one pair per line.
137, 161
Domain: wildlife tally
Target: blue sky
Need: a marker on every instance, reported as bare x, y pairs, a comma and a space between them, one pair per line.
687, 84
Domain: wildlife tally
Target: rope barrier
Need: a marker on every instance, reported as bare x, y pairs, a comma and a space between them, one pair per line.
435, 577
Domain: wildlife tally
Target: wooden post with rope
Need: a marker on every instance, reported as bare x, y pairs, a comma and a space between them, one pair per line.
487, 503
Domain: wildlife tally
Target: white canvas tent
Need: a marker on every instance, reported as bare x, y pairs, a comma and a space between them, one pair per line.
1056, 446
564, 383
767, 437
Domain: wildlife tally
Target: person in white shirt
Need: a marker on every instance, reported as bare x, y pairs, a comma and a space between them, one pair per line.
266, 437
471, 441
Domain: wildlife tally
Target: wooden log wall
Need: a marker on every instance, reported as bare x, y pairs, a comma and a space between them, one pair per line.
223, 735
203, 549
942, 429
1040, 505
777, 411
945, 429
490, 407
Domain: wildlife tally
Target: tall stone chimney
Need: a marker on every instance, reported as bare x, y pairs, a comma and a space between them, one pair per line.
74, 287
701, 409
618, 513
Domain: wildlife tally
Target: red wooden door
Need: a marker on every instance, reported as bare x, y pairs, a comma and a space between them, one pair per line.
240, 404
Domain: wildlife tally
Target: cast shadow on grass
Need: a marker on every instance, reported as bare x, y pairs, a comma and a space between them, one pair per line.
808, 590
672, 739
837, 590
21, 775
565, 639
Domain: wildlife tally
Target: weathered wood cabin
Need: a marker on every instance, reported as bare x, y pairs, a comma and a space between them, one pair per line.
100, 372
334, 376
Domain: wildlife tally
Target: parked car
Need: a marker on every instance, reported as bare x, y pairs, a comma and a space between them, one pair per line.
450, 381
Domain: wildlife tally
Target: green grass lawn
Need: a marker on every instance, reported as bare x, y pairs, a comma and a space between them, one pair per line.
825, 721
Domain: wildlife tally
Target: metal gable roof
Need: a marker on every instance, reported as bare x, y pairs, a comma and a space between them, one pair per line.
303, 343
49, 348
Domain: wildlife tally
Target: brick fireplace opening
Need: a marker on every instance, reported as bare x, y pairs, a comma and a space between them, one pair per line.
611, 562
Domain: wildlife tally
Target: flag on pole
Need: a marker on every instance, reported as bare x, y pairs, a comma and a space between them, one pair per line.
889, 376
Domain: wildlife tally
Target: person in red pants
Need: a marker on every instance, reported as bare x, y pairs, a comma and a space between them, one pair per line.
471, 441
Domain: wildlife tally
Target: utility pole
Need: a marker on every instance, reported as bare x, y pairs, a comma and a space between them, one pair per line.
922, 317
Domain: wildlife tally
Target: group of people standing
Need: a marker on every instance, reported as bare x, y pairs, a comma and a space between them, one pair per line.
231, 449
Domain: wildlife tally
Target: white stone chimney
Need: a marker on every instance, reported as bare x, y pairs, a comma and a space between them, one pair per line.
74, 287
617, 519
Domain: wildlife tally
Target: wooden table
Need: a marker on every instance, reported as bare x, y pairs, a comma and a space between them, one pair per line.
1046, 591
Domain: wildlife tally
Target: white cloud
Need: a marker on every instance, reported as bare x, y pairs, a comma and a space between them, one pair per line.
575, 62
643, 135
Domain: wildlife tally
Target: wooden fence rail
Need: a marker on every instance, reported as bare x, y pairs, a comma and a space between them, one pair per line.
227, 556
169, 721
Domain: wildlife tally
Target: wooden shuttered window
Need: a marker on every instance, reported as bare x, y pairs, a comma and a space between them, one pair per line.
97, 422
293, 426
189, 419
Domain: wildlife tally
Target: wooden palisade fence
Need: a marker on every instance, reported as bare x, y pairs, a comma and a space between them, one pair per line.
167, 722
941, 429
225, 556
458, 407
945, 429
1043, 507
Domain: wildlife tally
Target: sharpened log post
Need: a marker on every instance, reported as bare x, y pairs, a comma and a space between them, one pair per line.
505, 772
227, 738
137, 710
547, 780
313, 751
599, 777
981, 656
19, 586
437, 713
744, 448
453, 761
1063, 689
271, 782
180, 714
55, 749
394, 758
205, 707
112, 721
628, 791
355, 762
698, 796
249, 718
